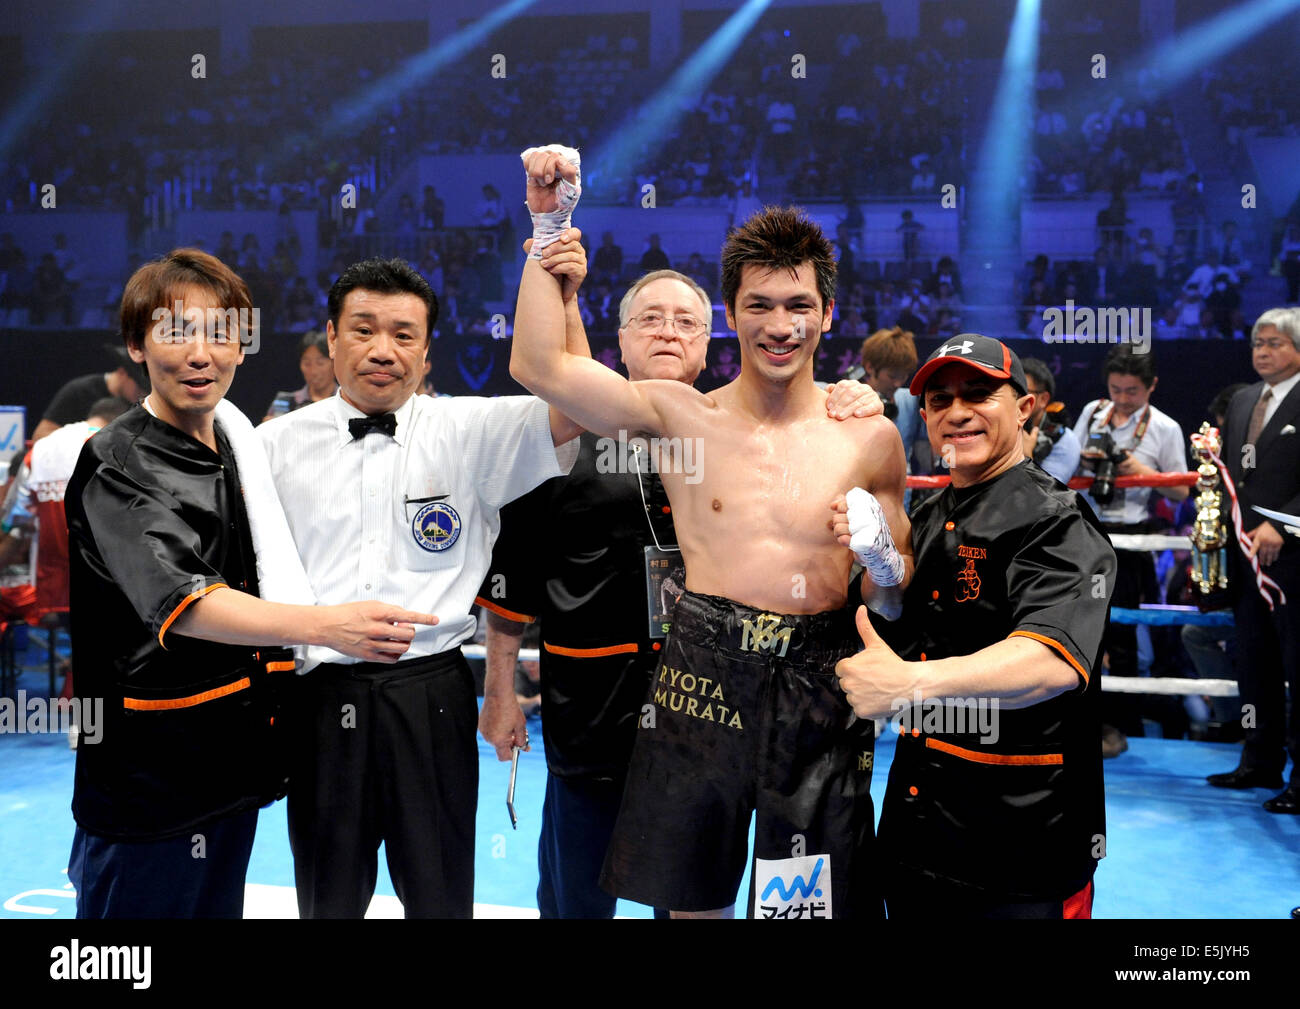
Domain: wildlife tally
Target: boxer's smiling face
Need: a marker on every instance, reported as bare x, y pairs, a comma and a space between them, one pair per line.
778, 319
974, 422
651, 347
191, 358
379, 348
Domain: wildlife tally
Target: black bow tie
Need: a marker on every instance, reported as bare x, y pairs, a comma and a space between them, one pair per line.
384, 423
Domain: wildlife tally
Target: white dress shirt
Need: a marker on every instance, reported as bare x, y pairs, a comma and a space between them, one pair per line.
1162, 447
1280, 392
408, 519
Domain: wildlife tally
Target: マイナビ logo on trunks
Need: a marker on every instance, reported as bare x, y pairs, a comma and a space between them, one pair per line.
968, 579
764, 633
436, 527
807, 894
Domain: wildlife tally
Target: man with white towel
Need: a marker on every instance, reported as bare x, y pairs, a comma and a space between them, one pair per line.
167, 561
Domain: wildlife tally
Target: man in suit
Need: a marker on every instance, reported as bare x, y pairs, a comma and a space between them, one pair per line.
1101, 280
1262, 449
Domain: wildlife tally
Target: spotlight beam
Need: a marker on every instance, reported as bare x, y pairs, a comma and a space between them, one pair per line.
655, 119
995, 186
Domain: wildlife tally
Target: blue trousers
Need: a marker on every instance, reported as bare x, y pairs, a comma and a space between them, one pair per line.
578, 817
197, 875
577, 821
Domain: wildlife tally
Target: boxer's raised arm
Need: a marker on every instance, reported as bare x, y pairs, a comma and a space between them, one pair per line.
599, 399
563, 428
571, 271
594, 396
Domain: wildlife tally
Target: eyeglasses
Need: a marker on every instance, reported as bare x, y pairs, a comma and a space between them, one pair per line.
686, 326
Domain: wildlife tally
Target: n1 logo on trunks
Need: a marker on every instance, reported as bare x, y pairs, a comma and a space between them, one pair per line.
762, 634
436, 527
793, 887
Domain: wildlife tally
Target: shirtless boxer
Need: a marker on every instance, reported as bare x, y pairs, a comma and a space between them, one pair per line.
744, 711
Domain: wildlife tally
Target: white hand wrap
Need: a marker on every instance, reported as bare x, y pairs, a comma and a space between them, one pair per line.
548, 226
870, 538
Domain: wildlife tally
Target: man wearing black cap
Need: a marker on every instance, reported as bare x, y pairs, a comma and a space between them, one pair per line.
75, 397
994, 807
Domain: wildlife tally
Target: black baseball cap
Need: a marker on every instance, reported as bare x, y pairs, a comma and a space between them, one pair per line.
983, 353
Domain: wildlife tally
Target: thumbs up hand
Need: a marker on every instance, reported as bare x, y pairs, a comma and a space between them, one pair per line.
875, 677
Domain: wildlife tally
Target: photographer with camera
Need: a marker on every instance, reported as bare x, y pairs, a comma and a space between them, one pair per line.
1048, 437
1124, 435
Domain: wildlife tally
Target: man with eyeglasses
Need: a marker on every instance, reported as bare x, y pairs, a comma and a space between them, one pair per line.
744, 717
593, 558
1261, 447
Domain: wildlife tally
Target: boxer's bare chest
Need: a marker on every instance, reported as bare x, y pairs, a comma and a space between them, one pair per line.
758, 508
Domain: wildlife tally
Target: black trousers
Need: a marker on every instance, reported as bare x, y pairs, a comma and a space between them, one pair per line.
385, 753
1268, 654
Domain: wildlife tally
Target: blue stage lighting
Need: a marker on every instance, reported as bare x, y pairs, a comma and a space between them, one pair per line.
656, 118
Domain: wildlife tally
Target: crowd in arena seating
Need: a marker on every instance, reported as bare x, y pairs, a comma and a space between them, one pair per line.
297, 121
891, 130
1103, 143
1193, 296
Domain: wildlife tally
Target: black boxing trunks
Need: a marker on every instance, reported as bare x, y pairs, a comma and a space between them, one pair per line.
745, 715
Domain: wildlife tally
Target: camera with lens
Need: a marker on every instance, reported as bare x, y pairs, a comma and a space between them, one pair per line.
1102, 457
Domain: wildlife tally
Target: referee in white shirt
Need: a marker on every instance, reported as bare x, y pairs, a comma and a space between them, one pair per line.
1154, 443
395, 496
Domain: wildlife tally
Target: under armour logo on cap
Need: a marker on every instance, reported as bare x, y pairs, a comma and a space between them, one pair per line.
983, 353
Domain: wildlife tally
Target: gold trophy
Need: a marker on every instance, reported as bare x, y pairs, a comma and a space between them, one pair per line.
1209, 536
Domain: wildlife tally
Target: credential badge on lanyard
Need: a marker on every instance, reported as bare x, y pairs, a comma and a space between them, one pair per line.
665, 574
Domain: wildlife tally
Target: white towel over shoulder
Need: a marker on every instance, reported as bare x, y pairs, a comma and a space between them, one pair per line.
281, 577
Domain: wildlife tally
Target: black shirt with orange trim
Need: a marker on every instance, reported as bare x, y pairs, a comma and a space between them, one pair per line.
155, 521
571, 554
1010, 802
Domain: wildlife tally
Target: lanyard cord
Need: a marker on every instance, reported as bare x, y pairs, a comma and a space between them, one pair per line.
645, 505
1101, 422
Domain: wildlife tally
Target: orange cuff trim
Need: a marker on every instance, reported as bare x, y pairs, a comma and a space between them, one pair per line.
181, 608
138, 704
591, 653
280, 667
1054, 644
501, 611
994, 758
